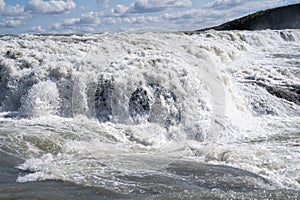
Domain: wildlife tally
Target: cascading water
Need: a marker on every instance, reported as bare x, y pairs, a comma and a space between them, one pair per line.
42, 99
117, 111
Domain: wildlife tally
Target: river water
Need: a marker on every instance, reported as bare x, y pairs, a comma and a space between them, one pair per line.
214, 115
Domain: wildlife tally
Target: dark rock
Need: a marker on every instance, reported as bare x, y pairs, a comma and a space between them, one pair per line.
291, 93
284, 94
103, 99
139, 104
145, 104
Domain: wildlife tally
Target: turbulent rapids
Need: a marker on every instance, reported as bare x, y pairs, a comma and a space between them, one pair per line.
118, 110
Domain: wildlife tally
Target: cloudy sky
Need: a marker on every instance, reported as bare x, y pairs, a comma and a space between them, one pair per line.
77, 16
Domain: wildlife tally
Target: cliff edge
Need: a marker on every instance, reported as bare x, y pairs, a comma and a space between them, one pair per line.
286, 17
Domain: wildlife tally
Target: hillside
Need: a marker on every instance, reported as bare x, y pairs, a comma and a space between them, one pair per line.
287, 17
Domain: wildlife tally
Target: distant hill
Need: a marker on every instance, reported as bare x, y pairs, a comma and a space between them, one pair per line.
286, 17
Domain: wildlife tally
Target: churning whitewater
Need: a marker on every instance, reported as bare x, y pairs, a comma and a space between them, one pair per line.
124, 111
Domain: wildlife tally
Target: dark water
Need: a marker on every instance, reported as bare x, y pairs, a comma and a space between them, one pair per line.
179, 180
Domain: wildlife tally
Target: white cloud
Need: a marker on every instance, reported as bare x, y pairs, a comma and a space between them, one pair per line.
109, 20
36, 29
13, 14
103, 3
224, 4
7, 23
190, 14
140, 20
148, 6
120, 10
49, 7
142, 6
87, 19
135, 15
2, 5
195, 19
71, 21
56, 26
86, 22
16, 11
13, 10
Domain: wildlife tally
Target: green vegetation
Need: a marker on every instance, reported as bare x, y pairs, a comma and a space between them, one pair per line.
242, 21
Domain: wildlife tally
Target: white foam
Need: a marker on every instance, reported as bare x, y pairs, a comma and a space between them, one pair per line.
42, 99
53, 80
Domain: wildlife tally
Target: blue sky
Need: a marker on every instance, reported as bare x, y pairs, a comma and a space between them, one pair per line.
80, 16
